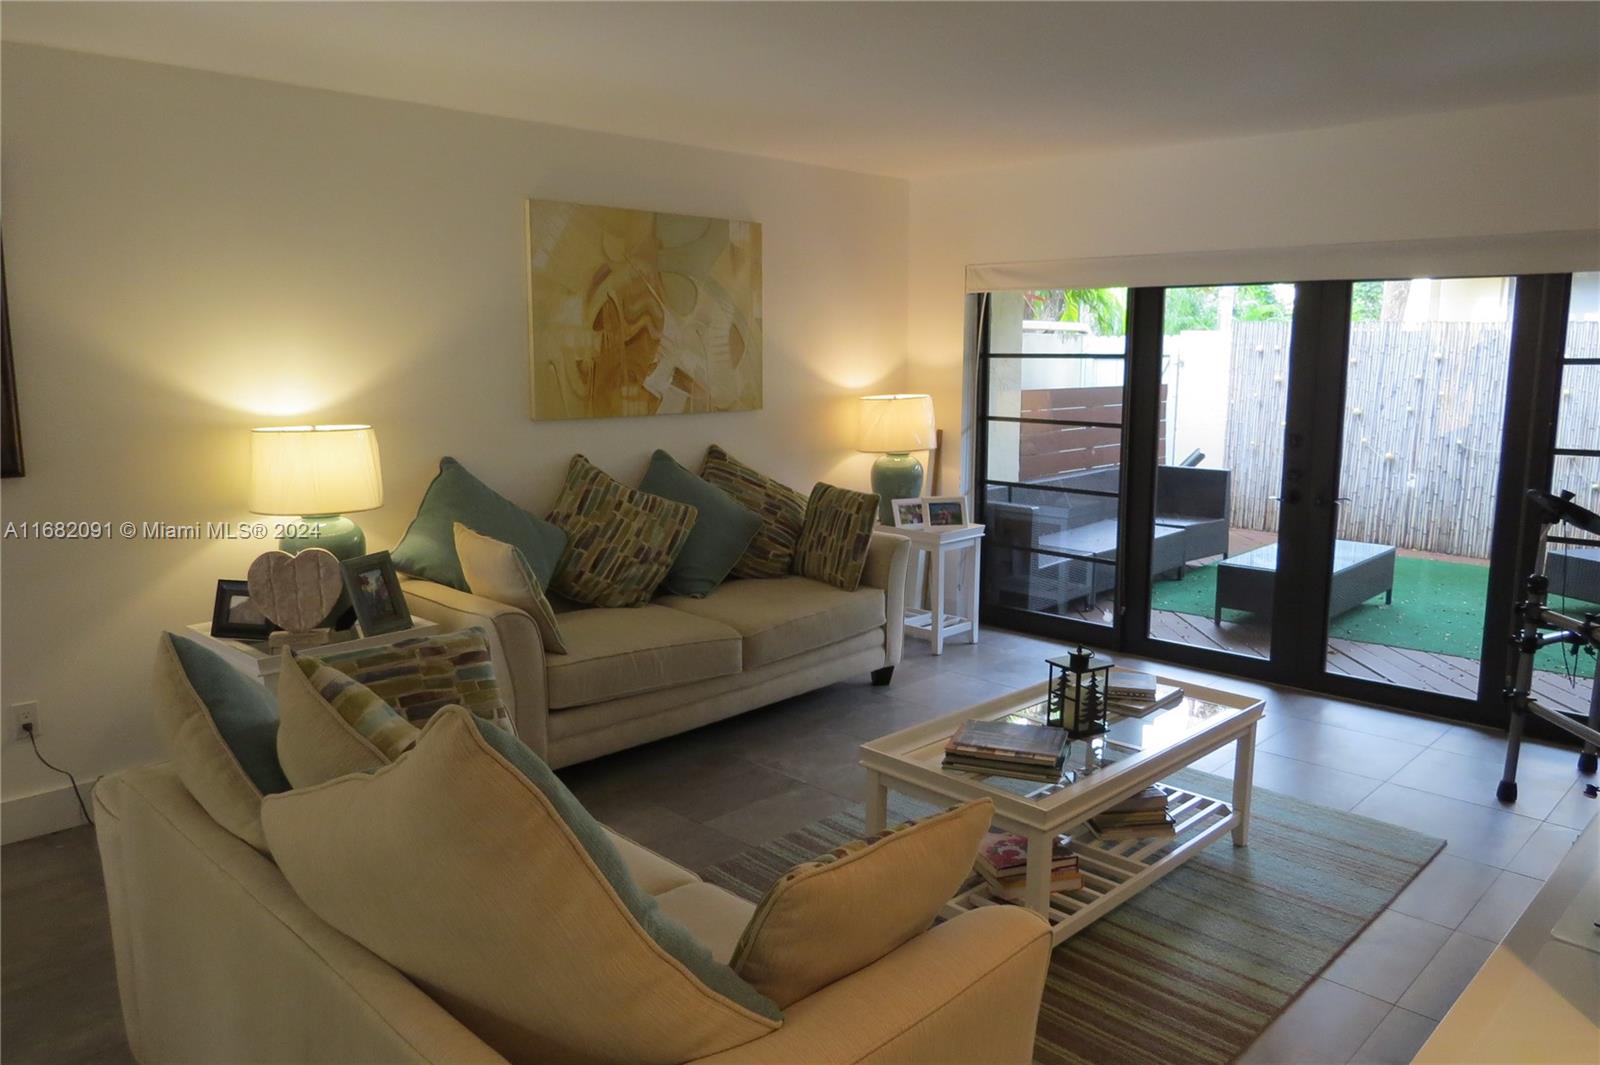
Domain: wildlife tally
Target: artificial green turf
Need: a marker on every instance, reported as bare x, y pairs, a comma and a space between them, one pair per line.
1438, 606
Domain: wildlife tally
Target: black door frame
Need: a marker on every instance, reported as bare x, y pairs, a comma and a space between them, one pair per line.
1313, 439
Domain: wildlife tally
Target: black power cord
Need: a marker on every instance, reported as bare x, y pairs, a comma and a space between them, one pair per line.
76, 794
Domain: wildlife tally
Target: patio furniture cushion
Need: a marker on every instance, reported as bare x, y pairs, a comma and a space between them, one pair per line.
787, 616
428, 548
828, 918
782, 511
469, 867
620, 541
617, 651
221, 729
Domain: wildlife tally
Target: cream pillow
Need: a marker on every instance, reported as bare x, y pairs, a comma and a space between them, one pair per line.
828, 918
330, 725
469, 867
220, 728
498, 571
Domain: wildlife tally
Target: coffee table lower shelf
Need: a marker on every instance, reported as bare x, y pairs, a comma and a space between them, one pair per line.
1115, 870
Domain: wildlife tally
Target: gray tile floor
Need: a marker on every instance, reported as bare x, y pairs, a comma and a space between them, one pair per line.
706, 795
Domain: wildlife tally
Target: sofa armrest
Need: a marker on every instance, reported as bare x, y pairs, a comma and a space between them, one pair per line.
887, 556
964, 991
514, 645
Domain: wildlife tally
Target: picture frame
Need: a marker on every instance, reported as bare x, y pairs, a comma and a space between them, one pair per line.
374, 590
947, 512
235, 617
909, 513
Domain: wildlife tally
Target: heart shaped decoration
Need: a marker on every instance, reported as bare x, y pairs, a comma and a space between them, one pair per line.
295, 592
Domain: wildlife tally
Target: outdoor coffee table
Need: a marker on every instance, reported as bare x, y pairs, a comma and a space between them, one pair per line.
1135, 753
1360, 571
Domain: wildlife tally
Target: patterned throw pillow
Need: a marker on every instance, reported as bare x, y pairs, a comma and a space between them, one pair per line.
827, 918
424, 674
620, 541
332, 725
837, 532
498, 571
781, 508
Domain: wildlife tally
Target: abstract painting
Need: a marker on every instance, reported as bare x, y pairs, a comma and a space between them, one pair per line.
637, 312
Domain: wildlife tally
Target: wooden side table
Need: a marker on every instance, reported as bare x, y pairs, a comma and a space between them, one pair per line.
258, 663
929, 620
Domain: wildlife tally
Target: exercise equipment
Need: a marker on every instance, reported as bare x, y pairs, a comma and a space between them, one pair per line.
1537, 627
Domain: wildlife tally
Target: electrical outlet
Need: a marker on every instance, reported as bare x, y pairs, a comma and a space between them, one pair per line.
23, 714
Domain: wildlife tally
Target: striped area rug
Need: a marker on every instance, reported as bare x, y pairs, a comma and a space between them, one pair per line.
1196, 966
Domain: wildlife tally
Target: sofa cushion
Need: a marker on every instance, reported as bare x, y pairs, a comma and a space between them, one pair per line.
221, 729
423, 674
825, 919
332, 725
836, 535
428, 549
782, 511
780, 618
721, 534
714, 917
493, 889
620, 541
497, 571
612, 652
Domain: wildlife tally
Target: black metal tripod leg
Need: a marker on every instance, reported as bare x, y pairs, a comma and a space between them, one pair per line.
1507, 791
1587, 760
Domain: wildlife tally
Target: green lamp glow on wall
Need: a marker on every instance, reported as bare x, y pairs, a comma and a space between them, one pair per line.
321, 472
896, 425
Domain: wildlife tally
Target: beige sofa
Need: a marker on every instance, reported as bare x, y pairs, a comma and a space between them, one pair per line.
632, 675
218, 960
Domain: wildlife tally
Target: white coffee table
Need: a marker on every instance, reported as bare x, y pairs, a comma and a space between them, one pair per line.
1137, 752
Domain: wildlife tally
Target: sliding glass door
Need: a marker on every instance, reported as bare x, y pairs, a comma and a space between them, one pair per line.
1301, 482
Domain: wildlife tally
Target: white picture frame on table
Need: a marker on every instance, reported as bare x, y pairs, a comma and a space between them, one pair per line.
909, 513
946, 512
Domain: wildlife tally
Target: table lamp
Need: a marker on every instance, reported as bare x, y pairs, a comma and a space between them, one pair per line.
320, 472
896, 425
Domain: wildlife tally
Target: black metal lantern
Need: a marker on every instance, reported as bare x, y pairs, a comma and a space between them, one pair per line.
1077, 696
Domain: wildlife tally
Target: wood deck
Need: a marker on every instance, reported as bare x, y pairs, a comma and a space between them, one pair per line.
1424, 670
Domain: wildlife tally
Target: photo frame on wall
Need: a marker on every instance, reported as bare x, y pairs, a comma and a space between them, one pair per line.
235, 617
909, 513
374, 590
946, 512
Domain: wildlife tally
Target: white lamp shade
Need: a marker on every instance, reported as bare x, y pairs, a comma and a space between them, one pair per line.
896, 423
314, 469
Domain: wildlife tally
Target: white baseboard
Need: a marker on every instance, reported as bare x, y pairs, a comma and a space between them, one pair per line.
42, 812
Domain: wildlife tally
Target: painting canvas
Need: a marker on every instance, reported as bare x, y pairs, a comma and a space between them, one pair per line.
636, 312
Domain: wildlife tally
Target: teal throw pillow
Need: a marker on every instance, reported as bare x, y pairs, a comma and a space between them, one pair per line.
721, 534
669, 934
428, 549
245, 713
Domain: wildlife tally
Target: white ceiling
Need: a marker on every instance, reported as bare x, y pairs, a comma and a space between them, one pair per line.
894, 88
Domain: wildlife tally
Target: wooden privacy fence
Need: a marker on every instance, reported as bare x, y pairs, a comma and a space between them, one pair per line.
1422, 428
1049, 450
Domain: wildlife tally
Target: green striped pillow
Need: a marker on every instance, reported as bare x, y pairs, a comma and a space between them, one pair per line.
363, 711
837, 532
782, 511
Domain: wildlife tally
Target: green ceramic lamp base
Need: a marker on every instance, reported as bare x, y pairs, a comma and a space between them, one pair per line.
331, 532
896, 475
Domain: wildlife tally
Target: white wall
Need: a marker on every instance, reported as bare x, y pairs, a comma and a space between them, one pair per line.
189, 255
1515, 169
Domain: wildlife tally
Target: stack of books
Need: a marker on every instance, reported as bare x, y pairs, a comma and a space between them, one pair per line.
1008, 749
1134, 694
1003, 863
1139, 816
